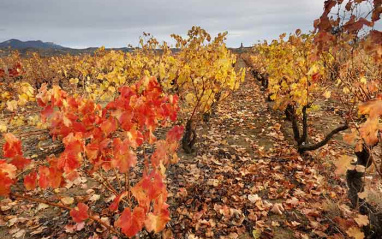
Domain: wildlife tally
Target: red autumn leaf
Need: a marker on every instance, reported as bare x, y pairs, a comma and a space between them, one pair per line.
121, 147
153, 184
323, 23
47, 112
20, 162
80, 213
329, 4
55, 178
115, 204
5, 184
131, 223
13, 72
69, 161
2, 73
376, 13
376, 36
348, 6
353, 25
92, 151
124, 158
160, 153
12, 146
316, 77
30, 181
124, 118
136, 137
175, 134
43, 177
109, 126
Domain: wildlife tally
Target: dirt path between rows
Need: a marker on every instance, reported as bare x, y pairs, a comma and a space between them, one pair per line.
243, 170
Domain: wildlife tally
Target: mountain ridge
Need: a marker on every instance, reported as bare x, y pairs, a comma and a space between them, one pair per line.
38, 44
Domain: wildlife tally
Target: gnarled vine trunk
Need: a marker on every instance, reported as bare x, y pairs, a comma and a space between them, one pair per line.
263, 78
302, 139
356, 185
189, 137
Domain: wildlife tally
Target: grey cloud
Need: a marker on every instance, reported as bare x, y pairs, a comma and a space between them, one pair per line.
116, 23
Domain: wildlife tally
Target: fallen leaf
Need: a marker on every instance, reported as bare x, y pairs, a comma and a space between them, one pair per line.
277, 208
355, 232
67, 200
362, 220
42, 206
94, 198
253, 198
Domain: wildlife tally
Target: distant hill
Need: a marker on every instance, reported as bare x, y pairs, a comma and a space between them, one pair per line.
51, 49
21, 45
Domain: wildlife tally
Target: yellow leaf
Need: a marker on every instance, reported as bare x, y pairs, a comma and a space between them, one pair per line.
327, 94
111, 89
313, 70
73, 81
190, 98
256, 234
67, 200
3, 127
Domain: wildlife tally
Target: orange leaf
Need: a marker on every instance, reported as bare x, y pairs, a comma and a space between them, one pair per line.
157, 222
140, 195
342, 164
12, 146
30, 181
355, 232
43, 177
20, 162
369, 131
5, 184
115, 204
372, 108
124, 161
131, 223
351, 137
109, 126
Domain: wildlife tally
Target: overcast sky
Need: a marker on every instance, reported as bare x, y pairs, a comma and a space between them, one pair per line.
116, 23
